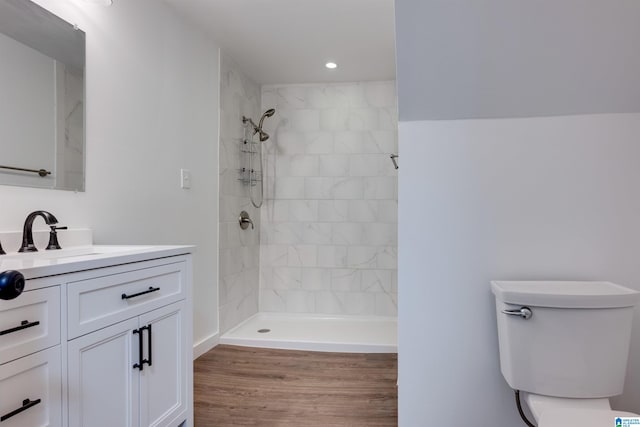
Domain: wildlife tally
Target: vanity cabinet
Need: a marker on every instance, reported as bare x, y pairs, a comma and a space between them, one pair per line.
132, 373
108, 346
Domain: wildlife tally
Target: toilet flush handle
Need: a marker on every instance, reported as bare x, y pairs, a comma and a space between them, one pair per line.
524, 312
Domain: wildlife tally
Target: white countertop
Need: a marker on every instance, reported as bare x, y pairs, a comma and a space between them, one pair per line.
53, 262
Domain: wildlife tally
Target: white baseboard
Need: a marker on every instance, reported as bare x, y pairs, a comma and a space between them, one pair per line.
205, 345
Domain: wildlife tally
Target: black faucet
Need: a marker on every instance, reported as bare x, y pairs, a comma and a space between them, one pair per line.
2, 252
27, 231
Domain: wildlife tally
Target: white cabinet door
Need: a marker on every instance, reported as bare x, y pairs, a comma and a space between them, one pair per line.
30, 390
103, 384
163, 381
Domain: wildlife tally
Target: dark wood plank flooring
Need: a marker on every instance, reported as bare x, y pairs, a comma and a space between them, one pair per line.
265, 387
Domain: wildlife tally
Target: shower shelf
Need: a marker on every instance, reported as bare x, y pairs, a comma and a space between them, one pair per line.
249, 178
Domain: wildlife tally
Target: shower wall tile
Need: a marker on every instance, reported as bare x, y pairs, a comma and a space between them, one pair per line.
329, 222
239, 255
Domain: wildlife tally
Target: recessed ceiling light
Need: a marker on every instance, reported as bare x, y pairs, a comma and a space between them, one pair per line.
102, 2
331, 65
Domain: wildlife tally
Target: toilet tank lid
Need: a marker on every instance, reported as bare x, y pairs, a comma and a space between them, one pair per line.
564, 294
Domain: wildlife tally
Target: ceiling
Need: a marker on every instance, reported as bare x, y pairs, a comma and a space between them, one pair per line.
289, 41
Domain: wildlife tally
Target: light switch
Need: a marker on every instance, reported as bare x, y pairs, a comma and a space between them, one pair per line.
185, 178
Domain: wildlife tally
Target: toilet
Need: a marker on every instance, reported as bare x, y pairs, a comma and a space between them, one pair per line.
564, 346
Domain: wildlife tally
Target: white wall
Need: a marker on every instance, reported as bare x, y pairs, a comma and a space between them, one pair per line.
538, 198
329, 223
460, 59
152, 108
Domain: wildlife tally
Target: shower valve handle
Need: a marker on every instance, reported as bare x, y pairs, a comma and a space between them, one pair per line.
244, 220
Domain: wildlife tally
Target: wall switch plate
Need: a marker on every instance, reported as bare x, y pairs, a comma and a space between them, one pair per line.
185, 178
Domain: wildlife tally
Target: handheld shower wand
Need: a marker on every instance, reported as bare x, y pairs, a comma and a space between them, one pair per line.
263, 136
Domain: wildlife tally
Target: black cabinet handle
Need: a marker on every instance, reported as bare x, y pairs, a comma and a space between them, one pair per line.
140, 364
23, 325
148, 361
26, 404
151, 289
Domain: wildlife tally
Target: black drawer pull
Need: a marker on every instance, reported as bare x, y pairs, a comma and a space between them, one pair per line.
148, 361
23, 325
140, 364
151, 289
26, 404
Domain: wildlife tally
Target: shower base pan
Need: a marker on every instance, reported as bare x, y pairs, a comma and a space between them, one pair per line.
344, 334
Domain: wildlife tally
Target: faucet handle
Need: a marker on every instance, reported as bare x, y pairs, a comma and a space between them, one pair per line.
53, 237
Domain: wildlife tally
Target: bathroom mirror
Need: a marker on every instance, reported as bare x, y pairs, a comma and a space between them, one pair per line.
42, 128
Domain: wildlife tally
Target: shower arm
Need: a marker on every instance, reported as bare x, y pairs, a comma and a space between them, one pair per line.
246, 120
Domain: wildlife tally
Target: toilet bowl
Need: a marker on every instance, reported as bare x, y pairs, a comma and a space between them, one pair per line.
565, 346
561, 412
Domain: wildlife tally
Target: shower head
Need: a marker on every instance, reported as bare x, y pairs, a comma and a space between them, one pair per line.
263, 135
258, 128
270, 112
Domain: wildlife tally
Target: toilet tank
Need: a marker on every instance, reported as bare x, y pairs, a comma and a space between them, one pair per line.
576, 342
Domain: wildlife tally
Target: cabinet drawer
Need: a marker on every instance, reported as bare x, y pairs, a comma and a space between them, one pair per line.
29, 323
103, 301
30, 390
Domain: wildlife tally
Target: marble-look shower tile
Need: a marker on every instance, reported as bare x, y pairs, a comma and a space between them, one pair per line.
333, 165
347, 233
333, 210
334, 119
317, 233
380, 141
381, 188
363, 119
380, 94
289, 188
286, 233
332, 256
303, 165
386, 304
362, 256
286, 278
306, 120
303, 210
316, 279
289, 143
328, 303
318, 142
302, 256
273, 255
357, 303
348, 142
272, 300
365, 165
345, 280
341, 234
362, 211
388, 118
380, 234
299, 301
348, 188
321, 97
387, 257
377, 280
290, 97
318, 188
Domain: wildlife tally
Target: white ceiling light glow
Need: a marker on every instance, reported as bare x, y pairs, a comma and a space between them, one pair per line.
331, 65
102, 2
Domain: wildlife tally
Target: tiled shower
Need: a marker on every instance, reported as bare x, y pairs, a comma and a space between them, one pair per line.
325, 240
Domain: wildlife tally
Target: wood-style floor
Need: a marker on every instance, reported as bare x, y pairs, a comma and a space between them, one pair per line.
265, 387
